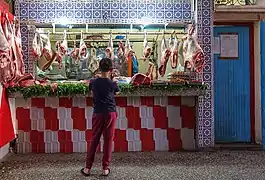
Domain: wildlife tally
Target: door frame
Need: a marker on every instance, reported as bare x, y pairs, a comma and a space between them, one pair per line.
250, 25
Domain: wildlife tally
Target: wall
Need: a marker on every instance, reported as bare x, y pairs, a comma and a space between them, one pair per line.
130, 11
146, 124
258, 133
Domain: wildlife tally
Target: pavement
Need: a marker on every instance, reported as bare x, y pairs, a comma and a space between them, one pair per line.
221, 165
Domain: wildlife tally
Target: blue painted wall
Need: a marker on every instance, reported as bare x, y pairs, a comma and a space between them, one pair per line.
232, 90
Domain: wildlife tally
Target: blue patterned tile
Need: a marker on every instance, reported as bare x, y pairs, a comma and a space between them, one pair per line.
42, 6
151, 14
33, 14
79, 5
133, 6
141, 14
178, 6
206, 22
24, 13
69, 5
151, 7
42, 14
141, 6
88, 13
123, 14
51, 6
206, 13
88, 6
133, 14
160, 14
187, 15
50, 15
115, 6
115, 14
97, 14
124, 6
169, 6
169, 15
33, 6
97, 5
60, 14
59, 6
79, 13
178, 15
106, 6
70, 14
186, 6
206, 30
159, 6
106, 14
23, 5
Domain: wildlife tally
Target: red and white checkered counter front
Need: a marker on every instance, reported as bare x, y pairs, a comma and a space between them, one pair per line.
53, 124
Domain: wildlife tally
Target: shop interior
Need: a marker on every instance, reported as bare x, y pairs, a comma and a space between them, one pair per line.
74, 50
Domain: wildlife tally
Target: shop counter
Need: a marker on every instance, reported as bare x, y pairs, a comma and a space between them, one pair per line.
149, 119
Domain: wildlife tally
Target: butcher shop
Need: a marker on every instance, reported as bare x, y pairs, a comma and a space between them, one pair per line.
161, 56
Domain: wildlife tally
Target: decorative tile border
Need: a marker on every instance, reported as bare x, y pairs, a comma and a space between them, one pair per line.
129, 11
205, 125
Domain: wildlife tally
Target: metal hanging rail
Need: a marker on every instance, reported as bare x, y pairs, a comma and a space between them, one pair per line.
113, 33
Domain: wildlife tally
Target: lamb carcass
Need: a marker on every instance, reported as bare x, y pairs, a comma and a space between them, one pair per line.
18, 50
75, 54
165, 54
93, 62
62, 50
120, 51
174, 52
47, 55
193, 53
140, 79
147, 49
82, 47
5, 59
109, 50
37, 46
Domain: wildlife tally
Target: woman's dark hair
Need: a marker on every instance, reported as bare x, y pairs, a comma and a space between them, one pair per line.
105, 65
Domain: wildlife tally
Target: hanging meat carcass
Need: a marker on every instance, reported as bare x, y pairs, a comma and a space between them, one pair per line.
120, 51
82, 47
193, 53
62, 49
109, 50
129, 55
47, 55
93, 62
37, 46
147, 49
74, 54
18, 50
7, 70
165, 54
174, 52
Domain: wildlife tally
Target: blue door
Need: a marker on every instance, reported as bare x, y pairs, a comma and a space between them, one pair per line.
232, 90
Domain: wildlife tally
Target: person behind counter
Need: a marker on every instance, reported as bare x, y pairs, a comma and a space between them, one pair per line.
104, 116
